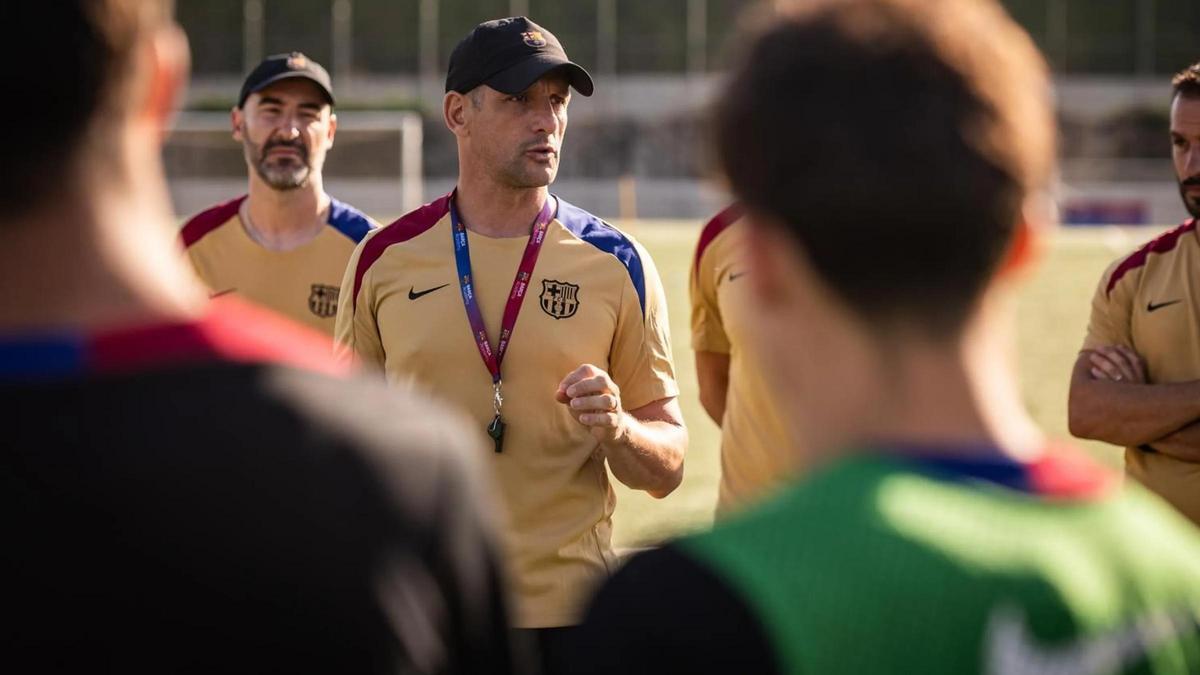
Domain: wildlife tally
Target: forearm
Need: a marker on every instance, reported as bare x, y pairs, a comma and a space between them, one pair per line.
648, 455
712, 374
1183, 444
713, 402
1130, 414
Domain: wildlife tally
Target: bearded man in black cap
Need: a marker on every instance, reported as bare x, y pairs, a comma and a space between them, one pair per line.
583, 377
285, 244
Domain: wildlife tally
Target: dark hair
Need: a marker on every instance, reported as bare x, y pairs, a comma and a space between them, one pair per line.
72, 68
897, 139
1186, 82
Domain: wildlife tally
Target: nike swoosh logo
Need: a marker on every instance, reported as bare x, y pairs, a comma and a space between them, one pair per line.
220, 293
1150, 306
1012, 649
414, 296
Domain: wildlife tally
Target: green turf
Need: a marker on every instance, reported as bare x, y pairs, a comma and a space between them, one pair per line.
1051, 320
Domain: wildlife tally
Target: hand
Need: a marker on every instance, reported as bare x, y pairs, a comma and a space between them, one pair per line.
1117, 363
594, 401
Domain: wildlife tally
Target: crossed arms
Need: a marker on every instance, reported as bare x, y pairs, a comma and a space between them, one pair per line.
1110, 400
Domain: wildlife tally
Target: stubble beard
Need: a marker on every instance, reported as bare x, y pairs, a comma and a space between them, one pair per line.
518, 174
288, 175
1191, 203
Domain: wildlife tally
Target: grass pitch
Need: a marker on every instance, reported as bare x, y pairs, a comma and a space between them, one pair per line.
1052, 316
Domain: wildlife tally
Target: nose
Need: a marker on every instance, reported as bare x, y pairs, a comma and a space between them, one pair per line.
544, 119
1191, 161
288, 128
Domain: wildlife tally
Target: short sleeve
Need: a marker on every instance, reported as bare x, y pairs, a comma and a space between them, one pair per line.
640, 361
708, 328
356, 333
1109, 323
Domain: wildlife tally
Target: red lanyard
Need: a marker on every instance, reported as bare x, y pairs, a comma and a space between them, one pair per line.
462, 257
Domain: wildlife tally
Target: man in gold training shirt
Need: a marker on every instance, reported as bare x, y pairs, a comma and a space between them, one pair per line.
545, 324
756, 454
1137, 380
285, 244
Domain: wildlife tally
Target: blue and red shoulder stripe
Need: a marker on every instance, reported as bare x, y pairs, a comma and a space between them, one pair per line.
1061, 472
404, 228
231, 331
608, 239
1163, 243
714, 227
348, 220
208, 220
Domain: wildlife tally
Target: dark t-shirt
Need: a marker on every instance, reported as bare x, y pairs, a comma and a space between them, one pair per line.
179, 500
666, 612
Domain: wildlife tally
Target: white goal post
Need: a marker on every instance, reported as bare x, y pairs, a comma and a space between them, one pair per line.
406, 124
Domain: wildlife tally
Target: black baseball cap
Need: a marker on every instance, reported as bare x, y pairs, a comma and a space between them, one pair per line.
508, 55
281, 67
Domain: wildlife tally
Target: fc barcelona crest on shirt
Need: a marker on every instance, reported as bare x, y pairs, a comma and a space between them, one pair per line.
559, 299
323, 300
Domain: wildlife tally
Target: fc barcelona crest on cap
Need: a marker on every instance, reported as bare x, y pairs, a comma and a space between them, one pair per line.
509, 55
323, 300
559, 299
285, 66
533, 38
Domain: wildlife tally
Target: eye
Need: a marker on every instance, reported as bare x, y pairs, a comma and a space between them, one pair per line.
518, 98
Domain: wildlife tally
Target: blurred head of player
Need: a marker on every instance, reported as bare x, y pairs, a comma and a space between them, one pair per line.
82, 180
286, 127
1185, 135
104, 75
507, 92
891, 156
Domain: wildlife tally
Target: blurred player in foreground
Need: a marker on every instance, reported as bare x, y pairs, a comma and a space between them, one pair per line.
546, 324
185, 486
756, 454
1137, 380
285, 244
892, 157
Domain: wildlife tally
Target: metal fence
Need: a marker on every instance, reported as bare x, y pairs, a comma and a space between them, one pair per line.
612, 37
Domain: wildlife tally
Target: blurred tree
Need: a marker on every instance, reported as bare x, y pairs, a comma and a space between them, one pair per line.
299, 25
722, 25
214, 29
574, 23
385, 36
651, 36
1177, 34
1101, 37
458, 17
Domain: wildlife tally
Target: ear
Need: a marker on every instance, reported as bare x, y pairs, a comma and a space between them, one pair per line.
454, 113
237, 120
1030, 236
167, 63
332, 130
